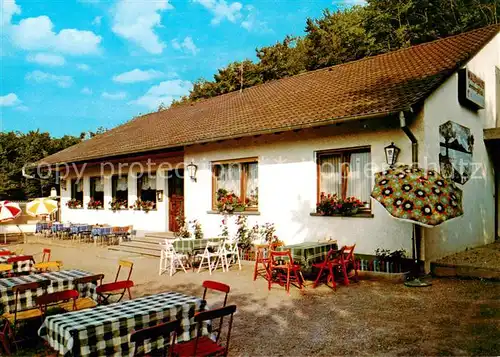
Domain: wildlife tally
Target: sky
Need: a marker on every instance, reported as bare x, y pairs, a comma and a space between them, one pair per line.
73, 66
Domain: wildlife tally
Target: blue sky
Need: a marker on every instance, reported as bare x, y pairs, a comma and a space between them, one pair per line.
68, 67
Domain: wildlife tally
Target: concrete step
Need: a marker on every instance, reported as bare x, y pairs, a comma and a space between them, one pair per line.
136, 250
147, 239
145, 245
160, 235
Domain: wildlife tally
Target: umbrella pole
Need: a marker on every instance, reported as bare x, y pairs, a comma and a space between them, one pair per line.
415, 282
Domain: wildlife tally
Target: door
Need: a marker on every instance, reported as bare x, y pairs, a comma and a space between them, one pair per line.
175, 198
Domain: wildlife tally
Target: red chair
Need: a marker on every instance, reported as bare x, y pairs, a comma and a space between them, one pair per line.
262, 259
54, 299
83, 302
46, 253
332, 261
6, 337
3, 253
283, 271
203, 345
349, 262
118, 287
164, 330
215, 285
20, 258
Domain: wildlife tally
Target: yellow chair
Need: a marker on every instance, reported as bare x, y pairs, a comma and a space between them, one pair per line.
49, 266
4, 268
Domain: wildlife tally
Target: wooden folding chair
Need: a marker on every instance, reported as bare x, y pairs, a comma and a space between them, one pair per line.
6, 336
46, 254
118, 287
215, 285
48, 266
56, 300
83, 302
261, 267
283, 270
203, 345
332, 261
348, 262
3, 253
167, 331
5, 269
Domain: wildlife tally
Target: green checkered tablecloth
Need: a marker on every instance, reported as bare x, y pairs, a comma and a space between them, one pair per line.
308, 253
189, 246
105, 330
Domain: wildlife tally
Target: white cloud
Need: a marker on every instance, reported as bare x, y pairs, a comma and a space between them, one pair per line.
136, 21
114, 96
21, 108
83, 67
44, 77
137, 75
86, 91
187, 45
9, 100
164, 93
252, 22
47, 59
97, 21
8, 9
36, 33
222, 10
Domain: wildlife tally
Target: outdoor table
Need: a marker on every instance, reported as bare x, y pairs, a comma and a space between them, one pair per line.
80, 228
60, 281
42, 227
101, 231
105, 330
307, 253
60, 227
18, 267
190, 245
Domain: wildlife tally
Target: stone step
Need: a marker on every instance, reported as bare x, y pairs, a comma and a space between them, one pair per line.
147, 239
138, 244
160, 235
136, 250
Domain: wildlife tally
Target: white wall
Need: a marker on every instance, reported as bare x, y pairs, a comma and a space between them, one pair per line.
287, 186
476, 227
152, 221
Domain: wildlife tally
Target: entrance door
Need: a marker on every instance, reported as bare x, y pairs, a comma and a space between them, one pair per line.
175, 198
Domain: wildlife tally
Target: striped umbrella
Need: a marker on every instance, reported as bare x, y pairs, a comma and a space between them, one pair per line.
41, 207
9, 211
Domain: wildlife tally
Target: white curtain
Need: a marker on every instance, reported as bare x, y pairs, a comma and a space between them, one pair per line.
79, 186
229, 178
330, 174
360, 176
148, 183
121, 184
252, 188
98, 184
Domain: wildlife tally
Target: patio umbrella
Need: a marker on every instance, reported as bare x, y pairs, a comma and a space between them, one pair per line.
8, 212
41, 207
422, 197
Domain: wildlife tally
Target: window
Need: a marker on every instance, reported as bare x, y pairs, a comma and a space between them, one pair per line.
97, 191
119, 189
239, 179
146, 188
346, 173
77, 190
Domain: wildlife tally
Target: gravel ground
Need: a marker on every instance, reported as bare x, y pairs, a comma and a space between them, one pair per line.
452, 317
487, 256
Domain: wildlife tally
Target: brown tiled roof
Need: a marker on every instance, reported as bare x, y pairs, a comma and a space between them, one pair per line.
377, 85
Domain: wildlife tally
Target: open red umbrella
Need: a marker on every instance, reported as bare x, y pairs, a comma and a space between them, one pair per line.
9, 211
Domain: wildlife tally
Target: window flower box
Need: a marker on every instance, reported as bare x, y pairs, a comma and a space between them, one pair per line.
74, 204
145, 206
95, 204
117, 205
332, 205
228, 202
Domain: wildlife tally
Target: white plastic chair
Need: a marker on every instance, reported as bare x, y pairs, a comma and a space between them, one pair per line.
170, 260
218, 255
232, 252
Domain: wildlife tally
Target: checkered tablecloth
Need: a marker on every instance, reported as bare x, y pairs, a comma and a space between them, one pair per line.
80, 228
308, 253
60, 281
18, 267
101, 231
60, 227
42, 226
189, 246
105, 330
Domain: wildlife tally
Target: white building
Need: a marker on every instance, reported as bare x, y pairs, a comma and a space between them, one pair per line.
282, 132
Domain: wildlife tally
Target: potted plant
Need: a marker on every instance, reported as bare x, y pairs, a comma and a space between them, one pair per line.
183, 231
197, 229
228, 202
116, 204
74, 203
331, 204
145, 206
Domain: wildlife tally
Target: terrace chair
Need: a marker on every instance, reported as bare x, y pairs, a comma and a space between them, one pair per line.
333, 261
118, 287
213, 251
165, 334
349, 263
46, 254
19, 259
204, 345
22, 315
5, 269
87, 302
6, 336
215, 285
283, 271
48, 266
3, 253
57, 299
261, 267
171, 260
232, 252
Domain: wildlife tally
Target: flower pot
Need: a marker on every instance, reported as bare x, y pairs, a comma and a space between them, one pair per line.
239, 209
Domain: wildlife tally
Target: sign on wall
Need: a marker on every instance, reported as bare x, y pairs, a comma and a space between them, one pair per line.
470, 90
456, 146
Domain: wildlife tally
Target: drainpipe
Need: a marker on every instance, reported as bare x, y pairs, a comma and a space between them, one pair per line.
416, 232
